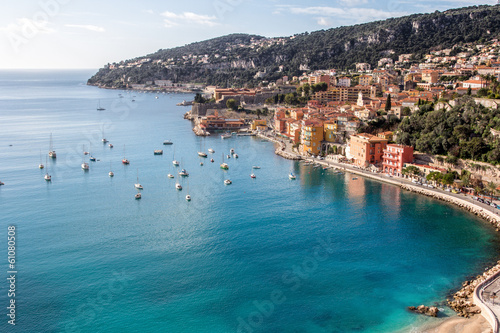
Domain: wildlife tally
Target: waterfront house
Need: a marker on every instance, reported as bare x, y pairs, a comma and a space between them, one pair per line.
367, 149
395, 157
311, 136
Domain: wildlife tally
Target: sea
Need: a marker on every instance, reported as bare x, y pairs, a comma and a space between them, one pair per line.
326, 252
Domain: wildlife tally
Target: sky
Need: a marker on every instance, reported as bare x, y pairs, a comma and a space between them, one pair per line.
45, 34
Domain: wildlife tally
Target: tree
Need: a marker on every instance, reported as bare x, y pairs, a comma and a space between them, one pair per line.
492, 187
411, 171
232, 104
198, 98
469, 91
388, 103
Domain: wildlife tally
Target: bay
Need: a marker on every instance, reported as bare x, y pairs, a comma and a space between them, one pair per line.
323, 253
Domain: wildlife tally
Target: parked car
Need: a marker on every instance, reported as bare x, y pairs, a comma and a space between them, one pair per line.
480, 200
430, 186
448, 190
474, 197
487, 202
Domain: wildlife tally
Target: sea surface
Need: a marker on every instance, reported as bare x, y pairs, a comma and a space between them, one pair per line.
322, 253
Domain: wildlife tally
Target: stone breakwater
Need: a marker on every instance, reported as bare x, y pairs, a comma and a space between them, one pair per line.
462, 302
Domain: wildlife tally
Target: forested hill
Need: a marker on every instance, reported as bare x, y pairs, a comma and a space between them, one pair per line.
235, 59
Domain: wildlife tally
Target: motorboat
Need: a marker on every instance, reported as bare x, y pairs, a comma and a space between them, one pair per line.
227, 182
170, 175
292, 176
138, 196
167, 142
183, 173
256, 167
158, 152
253, 176
85, 166
211, 151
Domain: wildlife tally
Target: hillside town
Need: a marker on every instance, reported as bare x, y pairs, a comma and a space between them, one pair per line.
329, 123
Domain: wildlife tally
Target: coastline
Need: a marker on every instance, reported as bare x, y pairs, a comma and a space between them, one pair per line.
467, 318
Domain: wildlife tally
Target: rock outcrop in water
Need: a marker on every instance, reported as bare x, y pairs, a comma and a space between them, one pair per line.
431, 311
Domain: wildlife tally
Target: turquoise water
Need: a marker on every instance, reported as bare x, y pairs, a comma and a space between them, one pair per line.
323, 253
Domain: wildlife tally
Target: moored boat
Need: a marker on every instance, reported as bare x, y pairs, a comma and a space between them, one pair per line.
158, 152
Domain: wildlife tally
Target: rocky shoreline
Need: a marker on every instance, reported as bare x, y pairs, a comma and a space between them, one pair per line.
462, 302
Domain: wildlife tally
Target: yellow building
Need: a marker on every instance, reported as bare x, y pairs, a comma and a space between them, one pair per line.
311, 136
330, 128
258, 124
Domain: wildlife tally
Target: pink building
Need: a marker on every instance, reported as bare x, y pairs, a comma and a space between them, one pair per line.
395, 156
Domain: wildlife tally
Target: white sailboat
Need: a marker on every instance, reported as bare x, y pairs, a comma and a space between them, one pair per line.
138, 195
175, 162
178, 185
40, 166
85, 165
52, 153
201, 153
104, 141
47, 177
138, 185
188, 197
111, 174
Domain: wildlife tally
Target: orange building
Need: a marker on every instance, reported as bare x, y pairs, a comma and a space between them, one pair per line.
367, 149
311, 136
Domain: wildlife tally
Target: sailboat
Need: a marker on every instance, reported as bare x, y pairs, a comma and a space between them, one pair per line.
124, 160
175, 162
85, 165
99, 107
224, 165
40, 166
138, 195
178, 185
111, 174
52, 153
47, 177
188, 197
202, 153
183, 172
211, 151
138, 185
104, 141
252, 175
92, 158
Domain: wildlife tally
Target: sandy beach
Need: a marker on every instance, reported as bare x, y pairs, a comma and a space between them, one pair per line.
455, 324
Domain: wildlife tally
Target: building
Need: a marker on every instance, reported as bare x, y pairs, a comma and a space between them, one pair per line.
344, 94
365, 80
259, 125
311, 136
395, 157
344, 82
367, 149
474, 84
330, 129
430, 76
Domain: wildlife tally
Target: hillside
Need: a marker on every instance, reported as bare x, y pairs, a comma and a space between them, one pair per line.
236, 59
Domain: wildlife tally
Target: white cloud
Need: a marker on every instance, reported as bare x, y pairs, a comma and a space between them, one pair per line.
352, 3
173, 19
86, 27
28, 26
354, 15
324, 21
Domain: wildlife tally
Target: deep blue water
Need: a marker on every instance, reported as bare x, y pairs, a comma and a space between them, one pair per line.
324, 253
